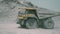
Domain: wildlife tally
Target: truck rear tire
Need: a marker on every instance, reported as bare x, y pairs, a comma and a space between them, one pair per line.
31, 23
48, 23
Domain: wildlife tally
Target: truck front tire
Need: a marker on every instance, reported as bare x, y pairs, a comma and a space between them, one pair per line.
31, 23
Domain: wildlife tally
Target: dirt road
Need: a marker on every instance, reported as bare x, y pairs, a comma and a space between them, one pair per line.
13, 28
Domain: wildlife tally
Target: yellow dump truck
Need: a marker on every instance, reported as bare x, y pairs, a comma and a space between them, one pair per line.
30, 18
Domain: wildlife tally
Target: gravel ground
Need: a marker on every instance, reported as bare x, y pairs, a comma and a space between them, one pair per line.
12, 28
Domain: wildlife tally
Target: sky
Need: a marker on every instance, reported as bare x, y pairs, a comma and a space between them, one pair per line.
49, 4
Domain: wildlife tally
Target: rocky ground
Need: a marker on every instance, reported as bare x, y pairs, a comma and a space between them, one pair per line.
9, 26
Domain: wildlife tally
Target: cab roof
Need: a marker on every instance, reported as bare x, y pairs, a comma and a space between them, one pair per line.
28, 8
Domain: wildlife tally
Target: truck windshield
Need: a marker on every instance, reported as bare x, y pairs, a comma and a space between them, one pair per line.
30, 11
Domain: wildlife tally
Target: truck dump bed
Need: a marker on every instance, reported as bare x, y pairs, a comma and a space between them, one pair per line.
45, 13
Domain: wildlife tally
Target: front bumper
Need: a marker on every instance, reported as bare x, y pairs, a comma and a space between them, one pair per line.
20, 17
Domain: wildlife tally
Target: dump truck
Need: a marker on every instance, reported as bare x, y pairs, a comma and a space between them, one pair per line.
32, 18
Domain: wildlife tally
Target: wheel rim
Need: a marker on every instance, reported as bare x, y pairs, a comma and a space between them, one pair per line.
31, 24
50, 24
